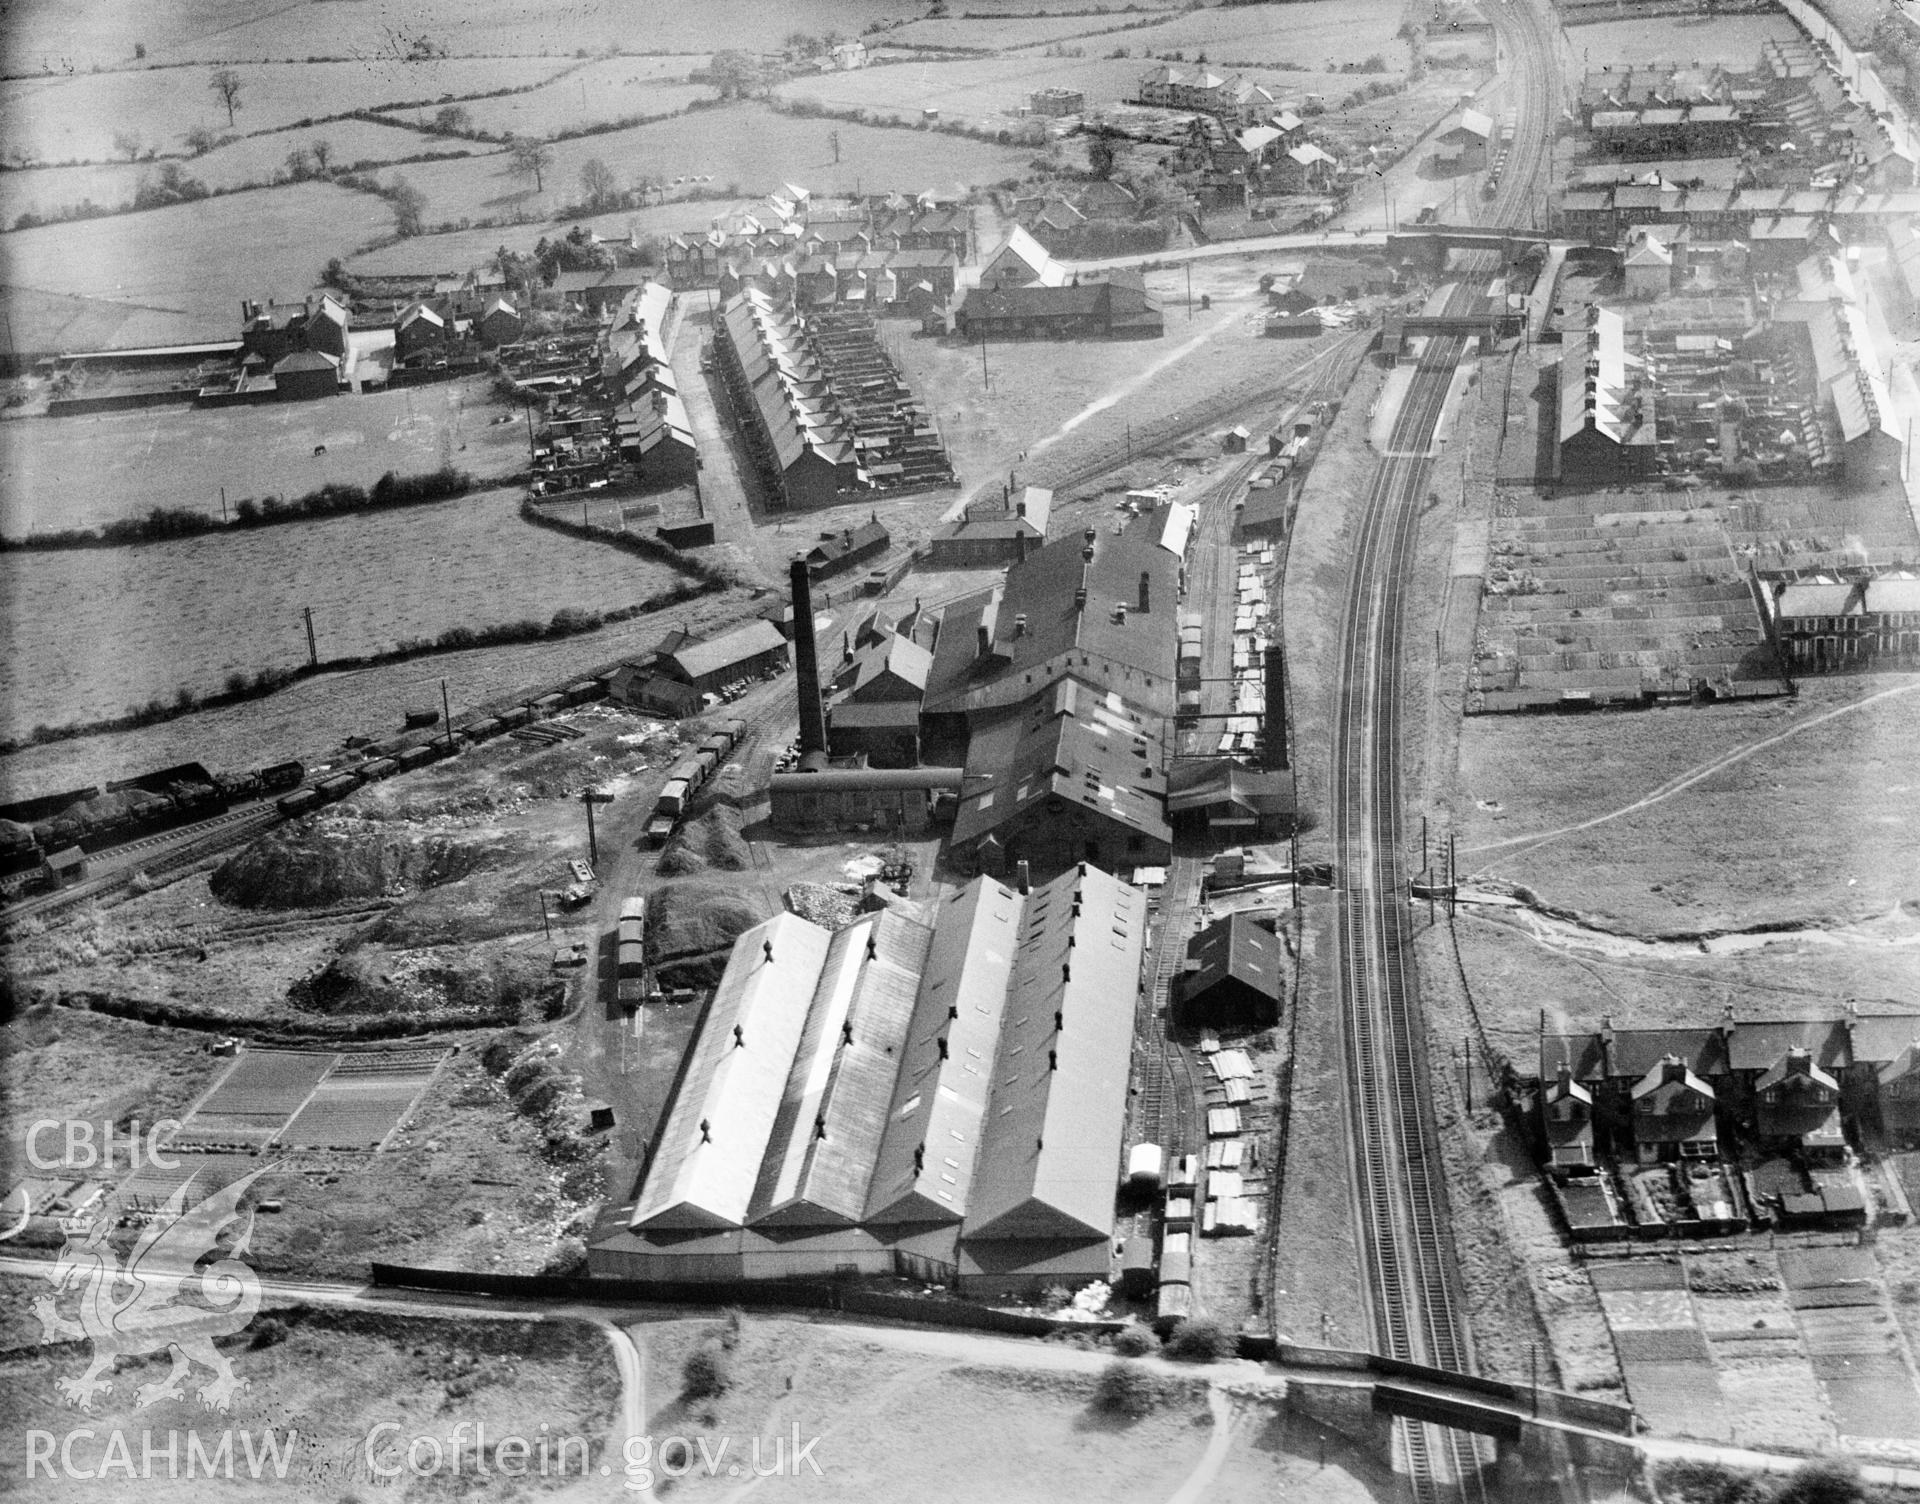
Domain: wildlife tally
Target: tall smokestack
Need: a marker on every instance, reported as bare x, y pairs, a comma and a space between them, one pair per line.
1275, 753
806, 663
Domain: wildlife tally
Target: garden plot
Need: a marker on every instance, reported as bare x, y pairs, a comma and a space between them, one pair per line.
1841, 1305
75, 117
1663, 1353
150, 1186
365, 1098
1610, 596
614, 88
252, 1102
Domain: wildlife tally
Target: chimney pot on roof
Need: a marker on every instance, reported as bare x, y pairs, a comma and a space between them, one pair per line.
1020, 624
767, 946
942, 1042
1146, 590
984, 642
1066, 971
706, 1130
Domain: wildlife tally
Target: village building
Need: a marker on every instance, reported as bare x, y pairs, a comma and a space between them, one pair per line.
1606, 424
994, 532
1823, 622
303, 374
843, 550
1114, 306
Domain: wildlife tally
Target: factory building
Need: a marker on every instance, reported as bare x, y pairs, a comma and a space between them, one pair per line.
945, 1096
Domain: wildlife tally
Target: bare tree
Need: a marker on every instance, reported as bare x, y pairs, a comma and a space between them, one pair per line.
322, 150
530, 159
598, 183
127, 144
225, 84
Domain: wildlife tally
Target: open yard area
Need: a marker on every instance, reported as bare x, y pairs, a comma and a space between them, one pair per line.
1732, 41
80, 472
179, 264
1796, 811
96, 632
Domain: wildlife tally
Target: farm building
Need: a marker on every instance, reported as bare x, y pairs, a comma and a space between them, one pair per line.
874, 798
1233, 975
1114, 306
499, 322
1824, 622
301, 374
711, 664
327, 327
272, 330
838, 552
420, 333
1056, 101
973, 1127
1606, 428
986, 536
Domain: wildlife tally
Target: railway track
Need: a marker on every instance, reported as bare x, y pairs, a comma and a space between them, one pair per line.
1404, 1220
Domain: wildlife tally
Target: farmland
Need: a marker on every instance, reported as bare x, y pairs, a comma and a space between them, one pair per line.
463, 248
75, 117
1302, 36
747, 144
80, 472
613, 88
97, 632
278, 239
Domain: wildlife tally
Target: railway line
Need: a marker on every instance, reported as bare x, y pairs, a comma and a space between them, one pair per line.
1401, 1203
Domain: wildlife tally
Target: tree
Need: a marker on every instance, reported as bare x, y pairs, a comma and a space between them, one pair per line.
705, 1373
139, 51
1102, 154
1824, 1480
409, 207
803, 44
299, 164
1200, 1341
597, 183
201, 140
322, 150
225, 84
530, 159
734, 73
452, 119
1126, 1389
127, 144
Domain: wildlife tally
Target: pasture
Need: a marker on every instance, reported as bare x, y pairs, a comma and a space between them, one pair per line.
988, 91
613, 88
81, 472
193, 262
745, 144
1733, 41
1311, 36
95, 632
75, 118
1013, 31
252, 159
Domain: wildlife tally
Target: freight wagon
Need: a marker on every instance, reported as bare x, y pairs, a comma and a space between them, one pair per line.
338, 786
631, 953
583, 690
300, 802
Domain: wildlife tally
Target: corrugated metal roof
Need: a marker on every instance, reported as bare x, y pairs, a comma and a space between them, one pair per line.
1057, 1120
696, 660
820, 1162
924, 1170
1239, 947
705, 1176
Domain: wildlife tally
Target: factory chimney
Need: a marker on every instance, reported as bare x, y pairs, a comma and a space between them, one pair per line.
806, 663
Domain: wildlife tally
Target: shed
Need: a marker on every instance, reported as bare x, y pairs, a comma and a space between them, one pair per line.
1233, 974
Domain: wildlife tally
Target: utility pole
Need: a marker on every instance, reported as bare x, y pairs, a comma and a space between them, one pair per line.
546, 921
223, 489
313, 651
985, 379
590, 797
446, 715
1466, 1060
1453, 877
1189, 289
527, 403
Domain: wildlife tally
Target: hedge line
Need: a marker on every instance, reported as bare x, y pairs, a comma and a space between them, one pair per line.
569, 621
165, 524
633, 543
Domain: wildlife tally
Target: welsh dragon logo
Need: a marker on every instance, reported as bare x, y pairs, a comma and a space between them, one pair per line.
161, 1299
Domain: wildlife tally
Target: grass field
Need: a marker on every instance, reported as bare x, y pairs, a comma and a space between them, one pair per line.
1821, 825
58, 473
71, 117
181, 263
1731, 40
1013, 31
745, 144
96, 632
610, 88
1311, 36
988, 90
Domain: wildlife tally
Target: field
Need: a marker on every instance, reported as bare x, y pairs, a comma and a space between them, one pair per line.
75, 117
331, 1376
984, 90
1733, 41
80, 472
748, 145
164, 261
612, 88
1015, 31
97, 632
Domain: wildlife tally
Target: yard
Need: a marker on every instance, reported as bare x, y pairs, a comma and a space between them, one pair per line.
1733, 41
80, 472
178, 264
98, 632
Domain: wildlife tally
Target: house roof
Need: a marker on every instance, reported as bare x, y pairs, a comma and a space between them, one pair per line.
1205, 783
1239, 948
697, 660
1600, 384
1021, 247
835, 546
306, 360
894, 654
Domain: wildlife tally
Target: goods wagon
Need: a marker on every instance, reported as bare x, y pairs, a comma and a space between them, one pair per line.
480, 730
282, 776
673, 799
380, 767
548, 704
417, 757
299, 802
514, 715
583, 690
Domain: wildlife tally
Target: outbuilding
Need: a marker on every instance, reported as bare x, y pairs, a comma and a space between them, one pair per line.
1233, 975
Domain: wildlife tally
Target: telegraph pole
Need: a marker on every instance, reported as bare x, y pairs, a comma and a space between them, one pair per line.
446, 715
223, 489
985, 379
546, 922
313, 651
590, 797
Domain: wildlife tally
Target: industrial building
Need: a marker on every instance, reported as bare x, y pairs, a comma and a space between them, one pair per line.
901, 801
945, 1097
1113, 306
1233, 975
994, 532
